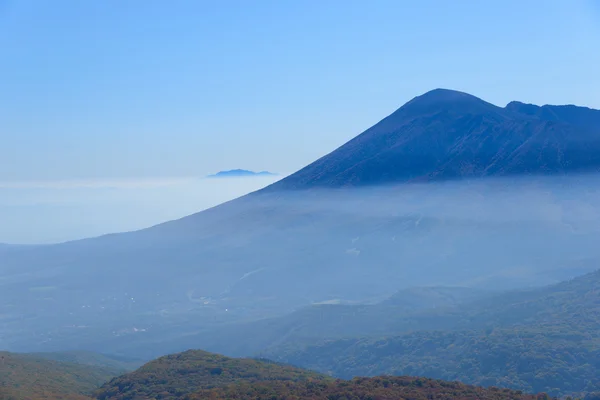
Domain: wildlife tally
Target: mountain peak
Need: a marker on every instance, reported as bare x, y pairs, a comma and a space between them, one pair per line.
443, 95
446, 134
448, 100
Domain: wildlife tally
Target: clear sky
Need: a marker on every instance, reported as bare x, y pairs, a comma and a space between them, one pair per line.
148, 88
98, 91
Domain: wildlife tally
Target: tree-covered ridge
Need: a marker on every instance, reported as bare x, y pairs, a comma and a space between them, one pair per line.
555, 361
540, 340
379, 388
177, 375
30, 377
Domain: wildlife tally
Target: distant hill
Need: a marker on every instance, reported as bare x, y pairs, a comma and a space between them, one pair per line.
237, 173
445, 134
379, 388
30, 377
197, 374
406, 310
177, 375
540, 340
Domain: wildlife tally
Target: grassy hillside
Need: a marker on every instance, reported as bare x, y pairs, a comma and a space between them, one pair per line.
177, 375
380, 388
30, 377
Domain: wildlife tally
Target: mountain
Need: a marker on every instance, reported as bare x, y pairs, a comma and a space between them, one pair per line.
201, 375
31, 377
545, 339
380, 388
445, 134
177, 375
236, 173
276, 251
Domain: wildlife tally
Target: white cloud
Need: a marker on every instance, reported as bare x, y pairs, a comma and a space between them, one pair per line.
54, 211
96, 183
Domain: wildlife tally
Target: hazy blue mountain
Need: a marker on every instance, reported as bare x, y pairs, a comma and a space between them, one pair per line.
276, 251
408, 309
445, 134
237, 173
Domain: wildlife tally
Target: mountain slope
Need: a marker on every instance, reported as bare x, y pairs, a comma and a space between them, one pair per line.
545, 339
380, 388
407, 310
445, 134
177, 375
275, 251
559, 361
571, 303
29, 377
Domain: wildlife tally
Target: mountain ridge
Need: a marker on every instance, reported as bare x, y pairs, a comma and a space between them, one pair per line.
445, 134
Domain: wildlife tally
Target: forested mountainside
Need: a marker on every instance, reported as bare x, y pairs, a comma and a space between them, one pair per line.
201, 375
31, 377
542, 340
177, 375
556, 360
379, 388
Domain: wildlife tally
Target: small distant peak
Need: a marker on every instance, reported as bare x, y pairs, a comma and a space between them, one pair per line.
237, 173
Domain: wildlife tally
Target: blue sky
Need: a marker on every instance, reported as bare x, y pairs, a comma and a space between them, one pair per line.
128, 91
112, 89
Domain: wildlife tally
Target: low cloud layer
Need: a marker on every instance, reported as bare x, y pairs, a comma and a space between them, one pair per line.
55, 211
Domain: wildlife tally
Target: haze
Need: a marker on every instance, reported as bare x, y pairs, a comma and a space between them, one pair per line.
56, 211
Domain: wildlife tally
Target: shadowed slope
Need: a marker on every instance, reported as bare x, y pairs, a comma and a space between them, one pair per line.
445, 134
